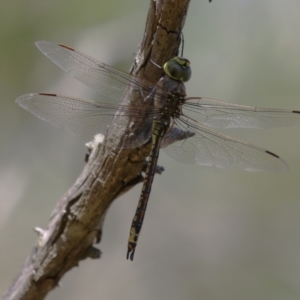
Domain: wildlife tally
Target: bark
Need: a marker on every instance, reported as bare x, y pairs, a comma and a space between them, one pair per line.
76, 222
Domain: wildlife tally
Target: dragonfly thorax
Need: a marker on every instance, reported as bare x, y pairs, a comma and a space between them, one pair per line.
169, 105
178, 68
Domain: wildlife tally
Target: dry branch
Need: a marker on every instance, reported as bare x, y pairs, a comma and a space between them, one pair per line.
77, 219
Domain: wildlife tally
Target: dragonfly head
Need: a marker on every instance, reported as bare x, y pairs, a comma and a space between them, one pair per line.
178, 68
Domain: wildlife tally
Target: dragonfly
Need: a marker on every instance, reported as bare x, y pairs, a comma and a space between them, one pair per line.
158, 108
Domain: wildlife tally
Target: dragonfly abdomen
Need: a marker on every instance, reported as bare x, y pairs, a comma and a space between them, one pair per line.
161, 126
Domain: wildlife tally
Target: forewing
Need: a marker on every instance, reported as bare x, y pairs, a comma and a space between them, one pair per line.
209, 148
107, 80
219, 114
87, 118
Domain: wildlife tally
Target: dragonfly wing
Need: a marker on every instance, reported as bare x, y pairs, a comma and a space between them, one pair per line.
219, 114
174, 135
209, 148
107, 80
87, 118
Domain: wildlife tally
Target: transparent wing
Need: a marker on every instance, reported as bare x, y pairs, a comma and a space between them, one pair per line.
219, 114
107, 80
209, 148
87, 118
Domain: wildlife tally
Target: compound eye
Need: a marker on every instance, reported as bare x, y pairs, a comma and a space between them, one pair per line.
178, 68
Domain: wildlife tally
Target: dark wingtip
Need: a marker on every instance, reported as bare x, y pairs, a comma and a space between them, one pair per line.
296, 111
67, 47
47, 94
282, 167
273, 154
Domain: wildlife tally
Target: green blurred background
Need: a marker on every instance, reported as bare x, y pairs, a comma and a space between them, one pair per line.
208, 233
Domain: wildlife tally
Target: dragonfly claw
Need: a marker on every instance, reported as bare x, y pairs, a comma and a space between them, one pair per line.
130, 252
